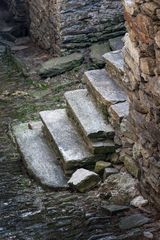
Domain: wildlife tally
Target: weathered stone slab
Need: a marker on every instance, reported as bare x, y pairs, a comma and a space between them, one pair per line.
113, 209
99, 147
60, 65
116, 43
135, 220
39, 159
84, 180
115, 65
88, 116
103, 88
66, 140
119, 111
97, 50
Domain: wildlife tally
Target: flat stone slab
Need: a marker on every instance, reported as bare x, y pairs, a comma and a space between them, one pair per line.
66, 140
113, 209
84, 180
101, 147
59, 65
97, 50
135, 220
103, 88
88, 116
39, 159
116, 43
115, 65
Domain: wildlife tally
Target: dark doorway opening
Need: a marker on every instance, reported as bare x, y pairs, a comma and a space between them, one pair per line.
10, 24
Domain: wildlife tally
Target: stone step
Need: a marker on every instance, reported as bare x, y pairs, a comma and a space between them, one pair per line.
115, 65
119, 111
87, 115
39, 159
66, 140
104, 89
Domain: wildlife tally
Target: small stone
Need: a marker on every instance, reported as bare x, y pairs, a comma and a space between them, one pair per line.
139, 202
148, 235
115, 208
135, 220
116, 43
108, 172
121, 187
101, 165
84, 180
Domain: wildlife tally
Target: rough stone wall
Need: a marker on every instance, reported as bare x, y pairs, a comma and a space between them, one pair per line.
142, 84
66, 25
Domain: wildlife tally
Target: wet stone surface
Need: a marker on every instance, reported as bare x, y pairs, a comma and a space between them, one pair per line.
27, 211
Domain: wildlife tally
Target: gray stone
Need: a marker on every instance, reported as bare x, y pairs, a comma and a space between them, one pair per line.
88, 116
103, 88
97, 50
121, 187
39, 159
84, 180
135, 220
131, 166
60, 65
116, 43
139, 202
115, 65
100, 147
114, 208
119, 111
66, 140
108, 172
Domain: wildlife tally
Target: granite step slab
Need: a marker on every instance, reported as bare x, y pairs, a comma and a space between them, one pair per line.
88, 116
66, 140
39, 159
103, 88
115, 65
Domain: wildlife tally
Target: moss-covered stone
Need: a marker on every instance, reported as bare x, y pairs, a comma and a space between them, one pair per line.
131, 166
101, 165
59, 65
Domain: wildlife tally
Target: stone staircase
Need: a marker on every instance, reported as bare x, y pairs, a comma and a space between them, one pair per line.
79, 135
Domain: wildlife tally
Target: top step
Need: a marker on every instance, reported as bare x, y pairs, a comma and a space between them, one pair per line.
88, 116
104, 89
115, 65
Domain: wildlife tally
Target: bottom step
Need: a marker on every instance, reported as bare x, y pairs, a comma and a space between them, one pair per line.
38, 157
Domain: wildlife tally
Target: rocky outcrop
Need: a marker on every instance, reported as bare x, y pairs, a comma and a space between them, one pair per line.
141, 81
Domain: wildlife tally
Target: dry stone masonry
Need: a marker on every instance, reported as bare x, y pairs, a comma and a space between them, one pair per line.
142, 84
67, 25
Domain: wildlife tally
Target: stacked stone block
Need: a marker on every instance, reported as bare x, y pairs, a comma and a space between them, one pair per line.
142, 84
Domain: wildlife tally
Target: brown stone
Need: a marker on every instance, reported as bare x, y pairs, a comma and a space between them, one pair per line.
147, 66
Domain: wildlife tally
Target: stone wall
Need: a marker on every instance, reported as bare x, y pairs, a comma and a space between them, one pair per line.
142, 84
66, 25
